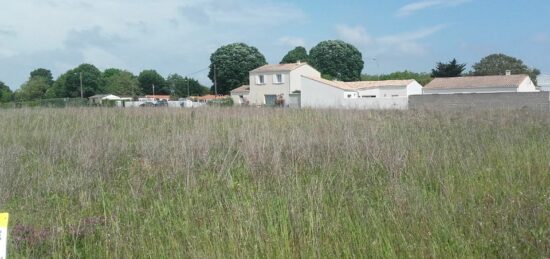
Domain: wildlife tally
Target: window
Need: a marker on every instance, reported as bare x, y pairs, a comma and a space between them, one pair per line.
394, 95
369, 96
260, 79
278, 79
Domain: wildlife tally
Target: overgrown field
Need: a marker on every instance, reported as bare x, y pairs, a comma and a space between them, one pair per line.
212, 183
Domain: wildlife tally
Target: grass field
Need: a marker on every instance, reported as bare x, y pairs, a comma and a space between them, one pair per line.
212, 183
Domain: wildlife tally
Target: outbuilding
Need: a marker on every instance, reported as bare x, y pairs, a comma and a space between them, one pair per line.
480, 84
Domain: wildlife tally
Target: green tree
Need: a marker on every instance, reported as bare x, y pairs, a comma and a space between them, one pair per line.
451, 69
232, 64
181, 85
45, 73
337, 59
295, 55
34, 89
68, 84
421, 78
149, 78
497, 64
121, 82
6, 95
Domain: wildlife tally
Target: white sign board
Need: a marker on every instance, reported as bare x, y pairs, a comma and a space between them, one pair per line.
3, 235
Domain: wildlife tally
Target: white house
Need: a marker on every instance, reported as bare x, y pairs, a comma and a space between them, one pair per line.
391, 94
544, 82
269, 82
98, 99
480, 84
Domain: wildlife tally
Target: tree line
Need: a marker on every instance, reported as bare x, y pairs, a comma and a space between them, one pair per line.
86, 80
229, 68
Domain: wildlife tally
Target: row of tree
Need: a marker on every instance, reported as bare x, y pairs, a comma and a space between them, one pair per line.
229, 69
86, 80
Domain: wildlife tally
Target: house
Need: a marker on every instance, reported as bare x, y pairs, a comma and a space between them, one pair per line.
480, 84
270, 84
390, 94
99, 98
544, 82
240, 95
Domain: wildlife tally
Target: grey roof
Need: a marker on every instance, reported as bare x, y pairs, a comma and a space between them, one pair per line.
512, 81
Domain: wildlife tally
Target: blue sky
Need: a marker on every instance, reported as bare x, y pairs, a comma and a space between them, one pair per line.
177, 36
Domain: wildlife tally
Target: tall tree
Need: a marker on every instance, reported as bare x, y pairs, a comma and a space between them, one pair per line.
451, 69
34, 89
149, 78
121, 82
6, 95
295, 55
232, 64
337, 59
185, 85
68, 84
497, 64
45, 73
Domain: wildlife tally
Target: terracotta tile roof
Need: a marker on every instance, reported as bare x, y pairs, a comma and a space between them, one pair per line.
360, 85
512, 81
278, 67
242, 89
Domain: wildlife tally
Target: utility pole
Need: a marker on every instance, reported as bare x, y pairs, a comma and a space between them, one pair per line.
187, 87
153, 89
81, 92
215, 81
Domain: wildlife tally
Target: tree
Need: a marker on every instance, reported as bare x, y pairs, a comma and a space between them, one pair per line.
497, 64
295, 55
451, 69
181, 85
149, 78
45, 73
337, 59
34, 89
421, 78
6, 95
232, 64
68, 84
121, 82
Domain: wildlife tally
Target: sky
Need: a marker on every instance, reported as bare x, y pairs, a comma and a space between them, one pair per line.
178, 36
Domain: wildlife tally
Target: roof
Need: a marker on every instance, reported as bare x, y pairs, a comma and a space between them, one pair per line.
362, 85
512, 81
278, 67
242, 89
99, 96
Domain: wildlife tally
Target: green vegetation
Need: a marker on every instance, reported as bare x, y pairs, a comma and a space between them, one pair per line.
451, 69
231, 64
497, 64
243, 183
295, 55
421, 78
337, 59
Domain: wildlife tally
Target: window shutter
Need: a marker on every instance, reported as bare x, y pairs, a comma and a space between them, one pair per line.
257, 80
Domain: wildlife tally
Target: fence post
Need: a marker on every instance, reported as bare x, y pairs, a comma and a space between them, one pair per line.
3, 235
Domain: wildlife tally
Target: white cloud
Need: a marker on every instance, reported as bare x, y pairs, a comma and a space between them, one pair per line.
172, 36
292, 41
412, 8
404, 43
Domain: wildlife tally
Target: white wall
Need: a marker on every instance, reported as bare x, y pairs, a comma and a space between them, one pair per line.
319, 95
237, 101
527, 86
258, 92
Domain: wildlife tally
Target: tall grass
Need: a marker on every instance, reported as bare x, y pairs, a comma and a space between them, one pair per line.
275, 183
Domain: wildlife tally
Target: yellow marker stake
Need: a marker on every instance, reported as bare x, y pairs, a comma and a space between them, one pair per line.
3, 234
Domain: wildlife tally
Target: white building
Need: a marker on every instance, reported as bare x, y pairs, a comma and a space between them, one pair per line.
480, 84
269, 82
99, 98
544, 82
391, 94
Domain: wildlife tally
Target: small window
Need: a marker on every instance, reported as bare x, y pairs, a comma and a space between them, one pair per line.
369, 96
394, 95
278, 79
260, 79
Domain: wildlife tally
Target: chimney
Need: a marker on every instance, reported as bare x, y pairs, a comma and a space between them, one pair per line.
508, 72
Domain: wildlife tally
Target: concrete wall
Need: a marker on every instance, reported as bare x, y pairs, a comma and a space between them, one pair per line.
509, 101
237, 101
470, 90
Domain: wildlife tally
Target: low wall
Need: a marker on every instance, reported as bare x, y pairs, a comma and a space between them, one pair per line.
507, 101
